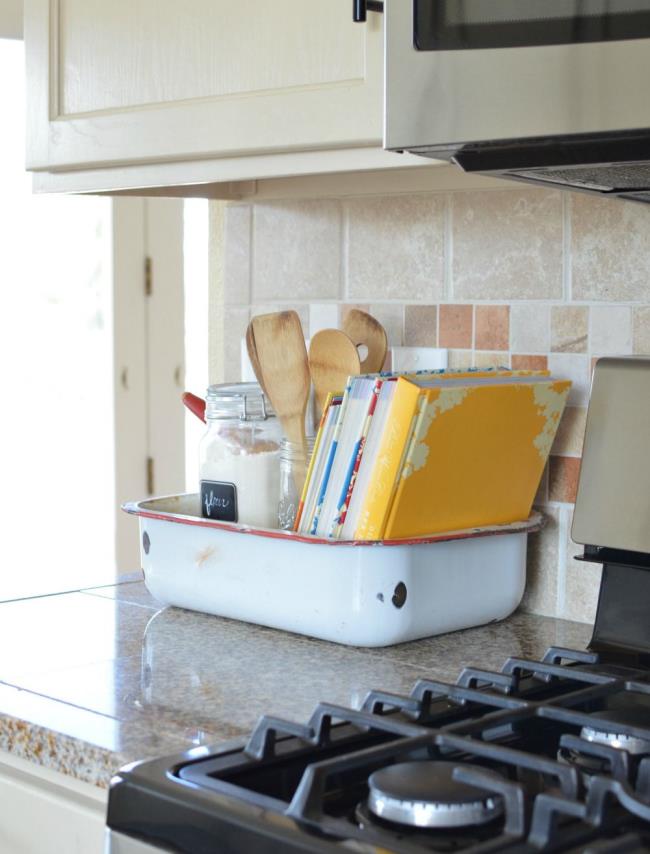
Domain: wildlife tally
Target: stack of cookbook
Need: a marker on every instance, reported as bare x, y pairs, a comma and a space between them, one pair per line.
406, 455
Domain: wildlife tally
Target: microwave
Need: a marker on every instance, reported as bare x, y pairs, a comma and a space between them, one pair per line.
554, 92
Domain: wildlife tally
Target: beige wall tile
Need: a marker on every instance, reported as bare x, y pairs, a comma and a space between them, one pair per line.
237, 255
492, 327
391, 317
641, 331
611, 330
530, 328
610, 242
420, 325
235, 323
456, 326
540, 596
459, 359
570, 433
507, 245
297, 250
395, 247
520, 362
322, 316
490, 359
563, 474
574, 367
569, 328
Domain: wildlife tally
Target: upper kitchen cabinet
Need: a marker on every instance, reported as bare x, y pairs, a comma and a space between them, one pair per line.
154, 92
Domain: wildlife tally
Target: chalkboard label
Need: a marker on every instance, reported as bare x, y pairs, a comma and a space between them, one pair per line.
219, 500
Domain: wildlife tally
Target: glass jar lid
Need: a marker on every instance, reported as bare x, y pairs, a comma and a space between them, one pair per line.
237, 401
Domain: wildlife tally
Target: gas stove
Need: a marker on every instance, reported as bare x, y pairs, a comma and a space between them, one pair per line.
549, 755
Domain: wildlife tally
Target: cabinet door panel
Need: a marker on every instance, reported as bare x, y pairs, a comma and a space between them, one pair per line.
163, 52
157, 81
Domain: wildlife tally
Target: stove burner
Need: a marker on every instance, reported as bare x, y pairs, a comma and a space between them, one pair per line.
605, 734
424, 794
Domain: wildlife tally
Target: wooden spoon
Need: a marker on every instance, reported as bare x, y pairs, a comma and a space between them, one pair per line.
332, 359
364, 330
252, 355
281, 367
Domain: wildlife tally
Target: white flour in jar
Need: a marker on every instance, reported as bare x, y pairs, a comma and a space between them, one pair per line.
254, 468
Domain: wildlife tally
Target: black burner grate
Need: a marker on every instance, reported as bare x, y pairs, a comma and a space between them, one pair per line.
520, 729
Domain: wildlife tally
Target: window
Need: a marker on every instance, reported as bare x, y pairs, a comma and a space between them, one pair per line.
92, 367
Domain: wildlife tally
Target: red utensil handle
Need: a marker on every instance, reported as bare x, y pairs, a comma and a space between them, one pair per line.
194, 404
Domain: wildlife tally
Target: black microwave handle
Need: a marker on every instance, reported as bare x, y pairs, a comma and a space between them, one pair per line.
361, 7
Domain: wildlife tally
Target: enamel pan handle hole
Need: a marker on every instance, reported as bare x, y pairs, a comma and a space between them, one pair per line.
360, 8
399, 595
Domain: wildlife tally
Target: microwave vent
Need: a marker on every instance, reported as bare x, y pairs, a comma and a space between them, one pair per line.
607, 178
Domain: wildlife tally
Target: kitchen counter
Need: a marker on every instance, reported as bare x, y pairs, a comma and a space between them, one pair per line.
97, 678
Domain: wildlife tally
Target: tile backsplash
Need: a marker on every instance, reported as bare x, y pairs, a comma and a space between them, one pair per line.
522, 277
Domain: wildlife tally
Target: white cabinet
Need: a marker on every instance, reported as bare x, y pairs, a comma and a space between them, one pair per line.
45, 812
218, 86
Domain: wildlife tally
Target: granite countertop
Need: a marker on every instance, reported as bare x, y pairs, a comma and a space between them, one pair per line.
97, 678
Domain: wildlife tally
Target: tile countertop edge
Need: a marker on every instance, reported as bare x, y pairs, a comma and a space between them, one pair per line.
80, 754
191, 679
23, 737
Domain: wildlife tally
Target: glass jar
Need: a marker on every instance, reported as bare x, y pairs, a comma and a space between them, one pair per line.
239, 456
293, 469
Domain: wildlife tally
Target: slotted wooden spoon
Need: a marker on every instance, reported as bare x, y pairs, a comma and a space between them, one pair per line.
364, 330
332, 359
282, 369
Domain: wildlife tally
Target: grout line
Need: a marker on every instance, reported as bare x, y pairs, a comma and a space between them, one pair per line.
67, 703
120, 601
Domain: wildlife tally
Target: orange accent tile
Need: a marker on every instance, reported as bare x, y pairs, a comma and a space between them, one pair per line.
529, 363
420, 322
456, 326
492, 327
563, 473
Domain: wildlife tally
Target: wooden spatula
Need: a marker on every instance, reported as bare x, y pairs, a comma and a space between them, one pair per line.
332, 359
364, 329
282, 369
252, 355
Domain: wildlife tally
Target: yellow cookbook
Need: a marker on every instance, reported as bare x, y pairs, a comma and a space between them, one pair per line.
459, 453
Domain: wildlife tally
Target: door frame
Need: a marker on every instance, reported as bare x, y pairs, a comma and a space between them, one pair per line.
148, 363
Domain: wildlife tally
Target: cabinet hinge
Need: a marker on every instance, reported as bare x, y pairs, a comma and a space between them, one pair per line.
150, 483
148, 276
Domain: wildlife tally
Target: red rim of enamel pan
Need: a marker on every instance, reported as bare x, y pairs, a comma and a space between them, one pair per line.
138, 508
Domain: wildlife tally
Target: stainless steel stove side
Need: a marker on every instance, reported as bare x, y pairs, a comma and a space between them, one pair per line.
447, 98
613, 502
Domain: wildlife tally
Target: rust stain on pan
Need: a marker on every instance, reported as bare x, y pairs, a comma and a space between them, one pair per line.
204, 555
